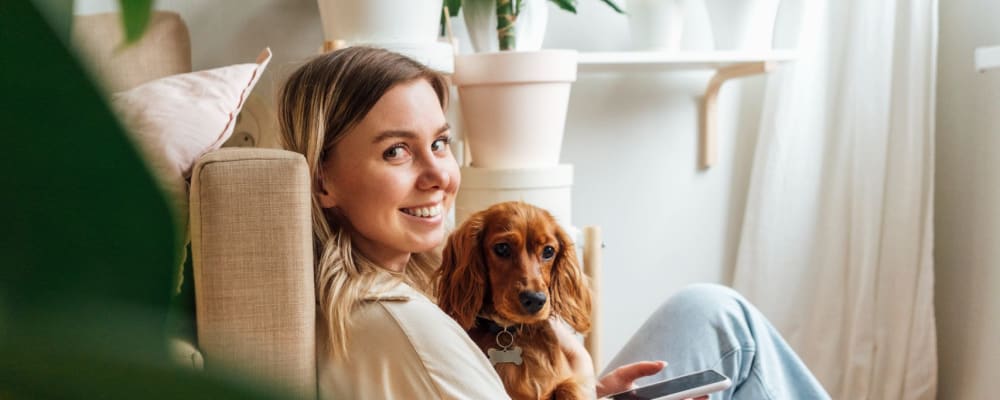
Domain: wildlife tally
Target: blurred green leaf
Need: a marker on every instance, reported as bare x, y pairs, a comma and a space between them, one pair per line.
88, 240
84, 218
58, 359
135, 18
568, 5
453, 7
59, 14
614, 6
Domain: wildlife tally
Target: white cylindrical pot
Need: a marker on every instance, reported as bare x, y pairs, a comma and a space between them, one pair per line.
514, 105
481, 22
742, 24
380, 21
656, 24
549, 188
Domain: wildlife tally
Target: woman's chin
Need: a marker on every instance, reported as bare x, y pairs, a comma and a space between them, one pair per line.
429, 243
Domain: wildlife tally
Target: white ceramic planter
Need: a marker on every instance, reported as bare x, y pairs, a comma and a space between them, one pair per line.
656, 24
481, 22
514, 105
742, 24
380, 21
549, 188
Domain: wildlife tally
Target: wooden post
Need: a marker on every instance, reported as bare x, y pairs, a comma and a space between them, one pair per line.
592, 246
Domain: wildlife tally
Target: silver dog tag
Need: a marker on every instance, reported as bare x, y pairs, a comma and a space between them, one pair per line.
497, 356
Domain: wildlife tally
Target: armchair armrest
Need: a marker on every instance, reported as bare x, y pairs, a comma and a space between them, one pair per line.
252, 253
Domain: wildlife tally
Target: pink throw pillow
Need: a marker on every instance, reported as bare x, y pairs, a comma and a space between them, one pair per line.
177, 119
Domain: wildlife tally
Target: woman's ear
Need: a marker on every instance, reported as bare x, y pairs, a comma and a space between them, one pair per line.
570, 291
324, 193
461, 280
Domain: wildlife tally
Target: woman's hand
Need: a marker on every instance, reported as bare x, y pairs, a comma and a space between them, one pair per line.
577, 355
623, 378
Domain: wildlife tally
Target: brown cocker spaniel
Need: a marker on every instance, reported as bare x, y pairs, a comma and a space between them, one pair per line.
504, 273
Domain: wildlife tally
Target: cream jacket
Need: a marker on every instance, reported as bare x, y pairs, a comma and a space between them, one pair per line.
402, 346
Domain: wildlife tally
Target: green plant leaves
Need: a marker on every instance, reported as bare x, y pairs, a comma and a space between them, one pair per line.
453, 7
568, 5
614, 6
59, 13
135, 18
84, 218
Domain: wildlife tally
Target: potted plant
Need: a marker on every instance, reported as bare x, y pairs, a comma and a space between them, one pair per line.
514, 100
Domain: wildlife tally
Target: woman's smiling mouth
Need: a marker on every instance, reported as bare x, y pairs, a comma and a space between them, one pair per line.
423, 212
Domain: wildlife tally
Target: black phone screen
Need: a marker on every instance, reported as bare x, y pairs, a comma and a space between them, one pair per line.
671, 386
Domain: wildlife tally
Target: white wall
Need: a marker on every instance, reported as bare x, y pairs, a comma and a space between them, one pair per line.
967, 202
632, 139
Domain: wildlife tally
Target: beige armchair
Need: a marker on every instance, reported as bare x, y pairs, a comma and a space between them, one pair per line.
250, 224
251, 240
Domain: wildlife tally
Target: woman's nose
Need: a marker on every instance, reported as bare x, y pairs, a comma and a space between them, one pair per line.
434, 173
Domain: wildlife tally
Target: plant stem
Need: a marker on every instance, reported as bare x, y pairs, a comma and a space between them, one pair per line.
506, 16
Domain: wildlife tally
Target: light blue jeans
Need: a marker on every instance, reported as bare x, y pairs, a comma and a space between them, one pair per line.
712, 327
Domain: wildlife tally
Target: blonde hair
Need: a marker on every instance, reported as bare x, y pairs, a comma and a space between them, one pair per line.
322, 101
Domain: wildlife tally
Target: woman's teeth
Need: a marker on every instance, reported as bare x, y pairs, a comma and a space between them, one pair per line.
423, 212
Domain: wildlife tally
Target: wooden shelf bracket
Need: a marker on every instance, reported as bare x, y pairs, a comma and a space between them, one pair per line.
709, 106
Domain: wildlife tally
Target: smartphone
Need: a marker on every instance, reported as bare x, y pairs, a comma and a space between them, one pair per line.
683, 387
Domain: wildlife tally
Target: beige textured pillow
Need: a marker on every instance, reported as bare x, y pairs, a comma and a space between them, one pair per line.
177, 119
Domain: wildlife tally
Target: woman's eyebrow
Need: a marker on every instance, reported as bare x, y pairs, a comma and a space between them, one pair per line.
394, 134
405, 134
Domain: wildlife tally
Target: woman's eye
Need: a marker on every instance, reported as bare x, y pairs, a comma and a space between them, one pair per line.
502, 250
441, 144
548, 252
395, 153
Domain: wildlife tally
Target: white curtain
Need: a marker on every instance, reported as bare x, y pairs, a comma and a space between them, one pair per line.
836, 246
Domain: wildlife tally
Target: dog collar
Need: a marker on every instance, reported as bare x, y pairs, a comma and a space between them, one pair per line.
493, 327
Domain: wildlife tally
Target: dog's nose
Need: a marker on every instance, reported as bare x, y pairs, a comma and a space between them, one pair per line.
532, 301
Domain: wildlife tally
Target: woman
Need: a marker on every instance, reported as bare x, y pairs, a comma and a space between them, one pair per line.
371, 126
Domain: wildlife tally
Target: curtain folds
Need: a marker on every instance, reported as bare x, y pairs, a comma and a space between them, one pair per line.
836, 246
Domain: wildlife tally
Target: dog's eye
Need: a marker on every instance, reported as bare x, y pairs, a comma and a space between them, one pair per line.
548, 252
502, 249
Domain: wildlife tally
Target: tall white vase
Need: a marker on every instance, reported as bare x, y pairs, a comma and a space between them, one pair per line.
380, 21
656, 24
529, 30
407, 27
742, 24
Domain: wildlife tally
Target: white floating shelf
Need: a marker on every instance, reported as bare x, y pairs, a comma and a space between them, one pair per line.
652, 61
726, 64
987, 58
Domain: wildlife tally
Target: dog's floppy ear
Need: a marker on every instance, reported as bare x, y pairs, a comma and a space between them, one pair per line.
570, 291
461, 280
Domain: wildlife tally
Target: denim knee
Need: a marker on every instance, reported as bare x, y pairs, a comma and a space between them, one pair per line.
710, 310
706, 300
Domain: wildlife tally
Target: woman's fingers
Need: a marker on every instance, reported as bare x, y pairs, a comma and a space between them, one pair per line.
623, 378
634, 371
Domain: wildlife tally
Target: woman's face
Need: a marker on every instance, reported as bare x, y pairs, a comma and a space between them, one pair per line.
393, 176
